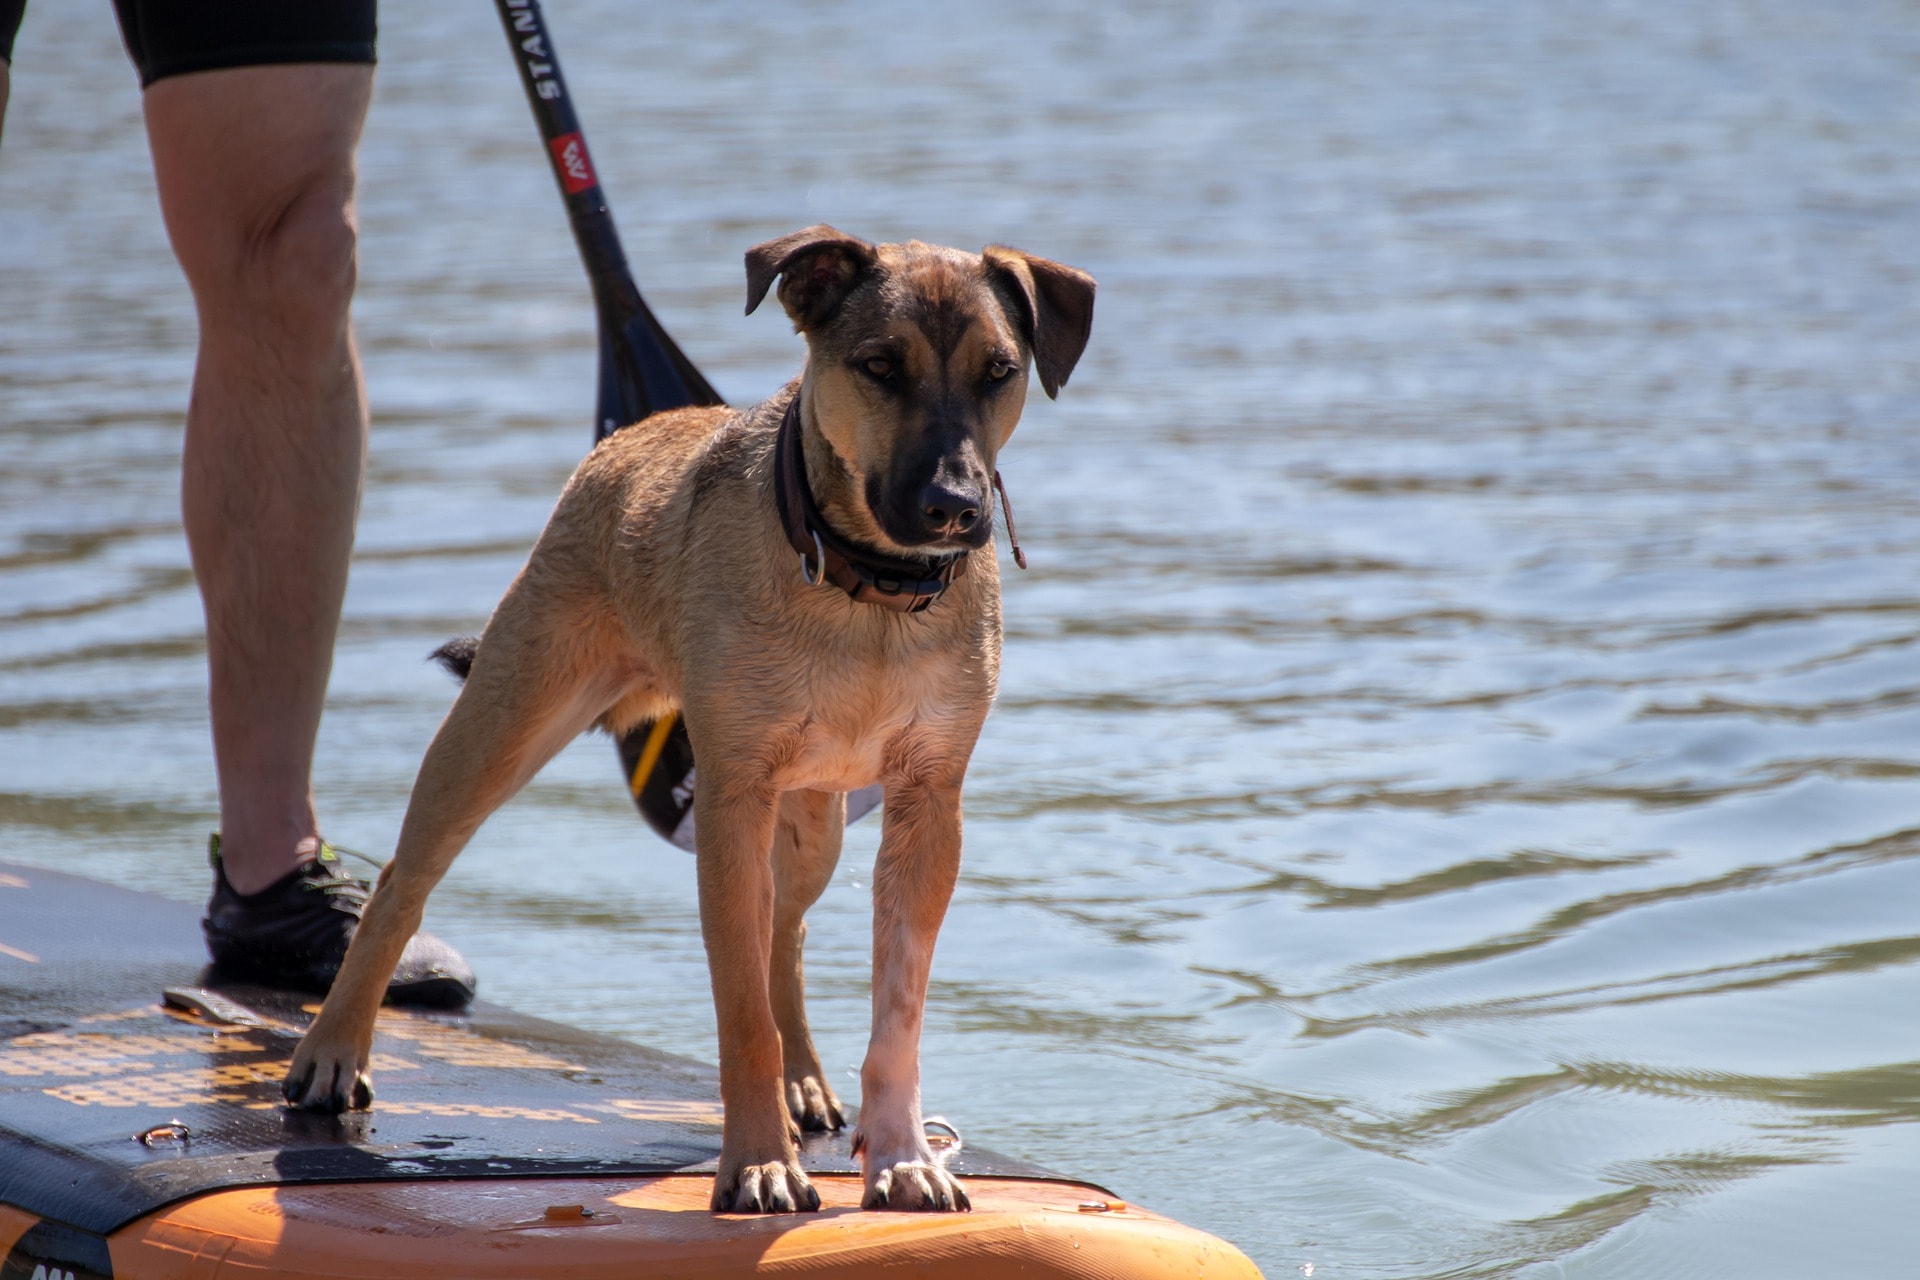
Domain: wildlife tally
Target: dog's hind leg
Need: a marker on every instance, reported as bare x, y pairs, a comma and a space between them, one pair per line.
533, 688
913, 879
806, 848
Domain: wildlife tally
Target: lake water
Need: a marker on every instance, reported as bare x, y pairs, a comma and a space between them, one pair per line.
1453, 804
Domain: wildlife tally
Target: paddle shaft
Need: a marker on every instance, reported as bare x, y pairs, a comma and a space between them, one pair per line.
641, 370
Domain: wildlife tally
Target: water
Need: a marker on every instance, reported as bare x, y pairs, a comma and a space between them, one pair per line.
1453, 804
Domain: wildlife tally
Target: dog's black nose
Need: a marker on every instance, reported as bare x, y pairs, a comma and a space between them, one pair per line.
949, 510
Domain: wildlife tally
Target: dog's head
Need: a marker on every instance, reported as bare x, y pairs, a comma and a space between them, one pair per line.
917, 366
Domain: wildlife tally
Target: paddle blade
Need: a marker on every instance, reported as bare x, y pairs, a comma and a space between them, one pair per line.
642, 370
657, 759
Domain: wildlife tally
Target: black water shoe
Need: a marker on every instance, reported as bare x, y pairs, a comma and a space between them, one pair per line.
294, 933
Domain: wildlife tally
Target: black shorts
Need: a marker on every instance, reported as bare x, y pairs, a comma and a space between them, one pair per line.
173, 37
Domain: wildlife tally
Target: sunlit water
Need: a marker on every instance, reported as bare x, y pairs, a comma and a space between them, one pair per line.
1453, 803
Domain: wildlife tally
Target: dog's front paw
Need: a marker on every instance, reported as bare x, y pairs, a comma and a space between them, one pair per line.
777, 1186
909, 1180
812, 1104
327, 1076
914, 1185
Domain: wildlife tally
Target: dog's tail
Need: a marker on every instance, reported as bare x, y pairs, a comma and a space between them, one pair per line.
456, 655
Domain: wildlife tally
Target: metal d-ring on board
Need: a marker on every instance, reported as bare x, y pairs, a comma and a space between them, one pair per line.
946, 1143
171, 1131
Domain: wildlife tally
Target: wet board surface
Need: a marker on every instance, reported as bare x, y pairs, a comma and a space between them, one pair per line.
90, 1057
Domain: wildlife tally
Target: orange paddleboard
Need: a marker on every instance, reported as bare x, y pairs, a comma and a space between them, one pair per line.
141, 1135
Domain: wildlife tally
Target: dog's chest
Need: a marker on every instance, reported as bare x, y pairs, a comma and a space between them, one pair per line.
861, 714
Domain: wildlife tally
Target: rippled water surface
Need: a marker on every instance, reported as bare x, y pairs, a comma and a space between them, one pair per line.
1453, 803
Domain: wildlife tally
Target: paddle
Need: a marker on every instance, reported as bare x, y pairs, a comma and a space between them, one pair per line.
642, 372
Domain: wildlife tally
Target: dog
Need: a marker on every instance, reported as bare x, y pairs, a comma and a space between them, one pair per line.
809, 583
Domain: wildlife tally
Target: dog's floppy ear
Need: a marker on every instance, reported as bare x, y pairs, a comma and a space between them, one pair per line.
817, 266
1058, 301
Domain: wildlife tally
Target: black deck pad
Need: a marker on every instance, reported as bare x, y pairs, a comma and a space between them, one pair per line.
90, 1058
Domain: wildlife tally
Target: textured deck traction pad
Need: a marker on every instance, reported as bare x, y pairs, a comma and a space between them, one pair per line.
90, 1058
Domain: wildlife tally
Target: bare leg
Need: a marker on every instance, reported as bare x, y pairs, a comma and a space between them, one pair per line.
256, 174
806, 848
913, 880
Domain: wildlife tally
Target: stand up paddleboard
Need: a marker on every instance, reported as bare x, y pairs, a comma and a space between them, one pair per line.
142, 1135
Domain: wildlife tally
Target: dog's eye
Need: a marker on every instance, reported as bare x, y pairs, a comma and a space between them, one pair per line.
880, 367
999, 370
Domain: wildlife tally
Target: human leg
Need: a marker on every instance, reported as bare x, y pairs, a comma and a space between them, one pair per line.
255, 169
255, 166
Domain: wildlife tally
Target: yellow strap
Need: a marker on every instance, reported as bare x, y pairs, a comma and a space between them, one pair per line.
650, 754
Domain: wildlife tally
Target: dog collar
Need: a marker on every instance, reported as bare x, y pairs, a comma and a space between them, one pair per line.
869, 576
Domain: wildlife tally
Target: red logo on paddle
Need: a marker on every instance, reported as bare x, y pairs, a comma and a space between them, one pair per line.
576, 171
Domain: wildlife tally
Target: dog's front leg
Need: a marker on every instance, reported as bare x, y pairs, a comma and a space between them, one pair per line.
806, 848
913, 880
734, 821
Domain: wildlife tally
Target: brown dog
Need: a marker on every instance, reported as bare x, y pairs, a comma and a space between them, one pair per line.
668, 579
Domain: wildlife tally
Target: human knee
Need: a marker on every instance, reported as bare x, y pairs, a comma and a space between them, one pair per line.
308, 259
255, 167
283, 272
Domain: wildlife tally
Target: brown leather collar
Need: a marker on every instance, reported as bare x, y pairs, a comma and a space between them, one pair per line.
869, 576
